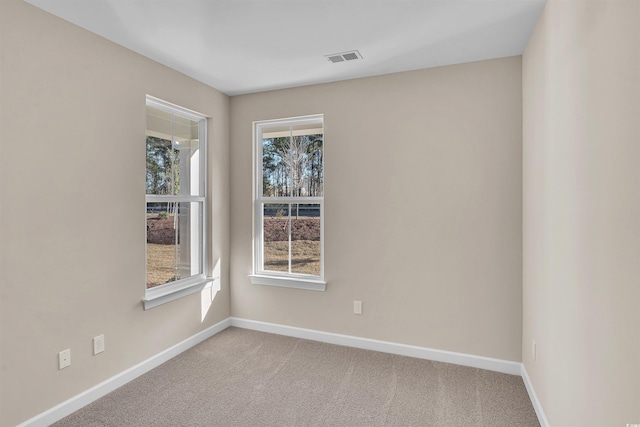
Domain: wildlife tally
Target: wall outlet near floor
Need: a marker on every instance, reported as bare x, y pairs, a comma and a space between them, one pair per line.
98, 344
64, 358
533, 349
357, 307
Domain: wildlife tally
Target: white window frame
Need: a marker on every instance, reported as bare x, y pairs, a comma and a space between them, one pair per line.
171, 291
273, 278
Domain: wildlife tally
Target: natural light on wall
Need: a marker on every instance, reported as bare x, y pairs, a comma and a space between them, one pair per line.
208, 294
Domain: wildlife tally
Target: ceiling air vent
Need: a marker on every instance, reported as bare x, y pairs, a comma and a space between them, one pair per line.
344, 56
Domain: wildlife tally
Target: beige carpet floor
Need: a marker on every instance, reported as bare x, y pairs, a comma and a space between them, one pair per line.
247, 378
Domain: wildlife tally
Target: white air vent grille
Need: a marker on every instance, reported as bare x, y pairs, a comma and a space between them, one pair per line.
344, 56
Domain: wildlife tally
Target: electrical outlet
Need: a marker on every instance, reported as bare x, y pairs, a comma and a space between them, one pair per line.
533, 349
64, 358
357, 307
98, 344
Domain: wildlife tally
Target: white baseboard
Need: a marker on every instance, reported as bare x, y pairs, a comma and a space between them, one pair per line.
73, 404
497, 365
542, 418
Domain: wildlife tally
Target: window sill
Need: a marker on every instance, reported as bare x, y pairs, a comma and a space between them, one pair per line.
161, 295
289, 282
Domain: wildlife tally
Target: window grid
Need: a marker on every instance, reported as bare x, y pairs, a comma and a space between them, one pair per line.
313, 206
184, 197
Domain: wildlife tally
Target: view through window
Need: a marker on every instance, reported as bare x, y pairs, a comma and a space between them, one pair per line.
290, 201
175, 195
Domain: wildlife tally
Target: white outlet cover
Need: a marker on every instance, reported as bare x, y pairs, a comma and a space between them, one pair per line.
64, 358
357, 307
534, 350
98, 344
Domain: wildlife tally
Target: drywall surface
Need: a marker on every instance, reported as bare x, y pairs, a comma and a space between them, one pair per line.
72, 178
581, 229
422, 208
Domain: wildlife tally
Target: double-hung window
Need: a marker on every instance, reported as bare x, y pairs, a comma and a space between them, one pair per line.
175, 202
289, 203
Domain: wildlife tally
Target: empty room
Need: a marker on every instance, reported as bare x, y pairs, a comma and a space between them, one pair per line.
320, 213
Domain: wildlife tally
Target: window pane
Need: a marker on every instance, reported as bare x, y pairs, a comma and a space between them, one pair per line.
305, 239
172, 253
275, 174
315, 166
276, 237
162, 167
308, 138
292, 161
172, 154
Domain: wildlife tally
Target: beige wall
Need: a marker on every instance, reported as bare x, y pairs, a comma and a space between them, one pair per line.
72, 209
423, 208
425, 178
581, 90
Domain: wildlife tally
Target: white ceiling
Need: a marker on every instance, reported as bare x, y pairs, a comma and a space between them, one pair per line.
244, 46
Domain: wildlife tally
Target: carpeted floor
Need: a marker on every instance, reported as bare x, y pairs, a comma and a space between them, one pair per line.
247, 378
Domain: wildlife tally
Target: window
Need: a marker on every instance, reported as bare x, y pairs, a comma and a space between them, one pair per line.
175, 202
289, 203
